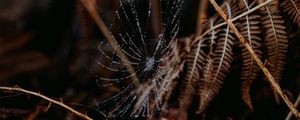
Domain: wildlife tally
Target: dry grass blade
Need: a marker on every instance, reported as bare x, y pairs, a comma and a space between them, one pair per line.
156, 17
91, 9
153, 58
267, 73
202, 16
18, 89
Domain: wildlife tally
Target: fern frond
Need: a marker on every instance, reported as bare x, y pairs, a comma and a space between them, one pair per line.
250, 69
276, 40
292, 8
217, 67
207, 69
251, 30
194, 63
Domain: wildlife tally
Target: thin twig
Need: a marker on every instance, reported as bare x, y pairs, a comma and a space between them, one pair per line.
268, 75
202, 16
156, 17
289, 116
18, 89
233, 19
98, 20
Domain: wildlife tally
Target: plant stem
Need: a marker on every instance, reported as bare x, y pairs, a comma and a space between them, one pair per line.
288, 117
156, 17
18, 89
202, 16
267, 73
111, 40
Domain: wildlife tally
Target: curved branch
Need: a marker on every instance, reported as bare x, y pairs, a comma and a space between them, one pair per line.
18, 89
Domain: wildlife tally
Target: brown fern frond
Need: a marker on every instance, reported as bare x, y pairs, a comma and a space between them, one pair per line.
250, 69
219, 67
292, 8
207, 69
194, 63
218, 64
251, 30
276, 40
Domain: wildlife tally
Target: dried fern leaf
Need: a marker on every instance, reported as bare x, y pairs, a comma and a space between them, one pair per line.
217, 64
276, 40
207, 69
194, 63
250, 29
292, 8
216, 69
250, 69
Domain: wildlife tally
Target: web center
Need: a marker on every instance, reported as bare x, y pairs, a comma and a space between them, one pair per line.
150, 61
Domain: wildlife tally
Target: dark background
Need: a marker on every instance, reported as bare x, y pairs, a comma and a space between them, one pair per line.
51, 46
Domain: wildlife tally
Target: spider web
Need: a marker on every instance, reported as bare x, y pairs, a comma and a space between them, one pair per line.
152, 57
